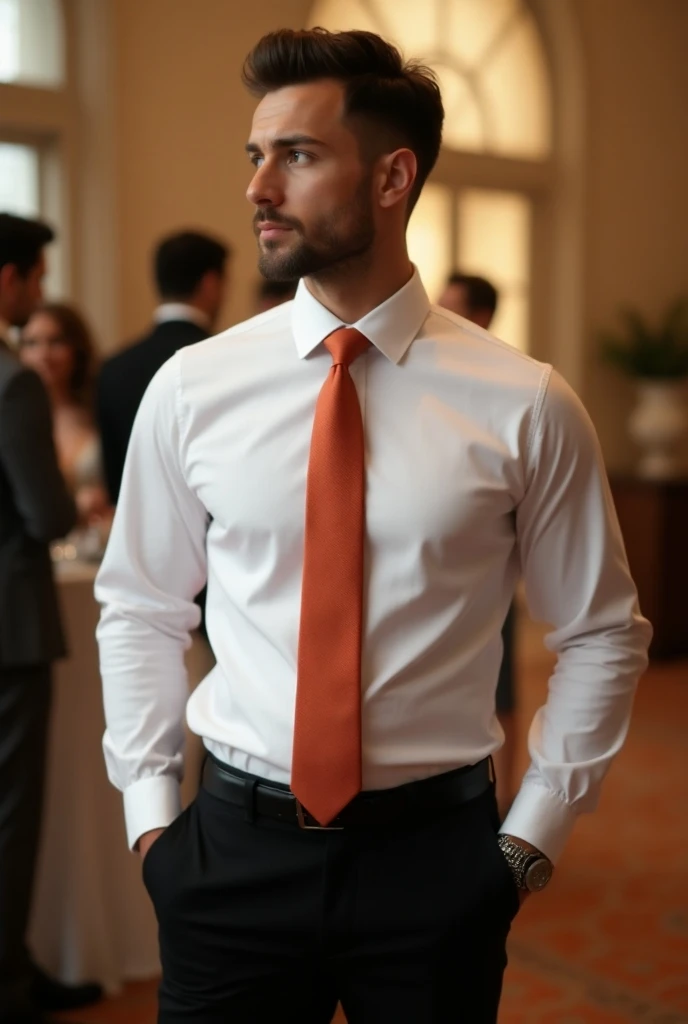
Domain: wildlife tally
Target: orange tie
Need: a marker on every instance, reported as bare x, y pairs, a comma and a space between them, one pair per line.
326, 762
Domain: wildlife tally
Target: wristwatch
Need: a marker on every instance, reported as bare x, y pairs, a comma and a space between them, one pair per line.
531, 871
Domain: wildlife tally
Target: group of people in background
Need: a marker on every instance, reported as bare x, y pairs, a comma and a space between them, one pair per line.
89, 411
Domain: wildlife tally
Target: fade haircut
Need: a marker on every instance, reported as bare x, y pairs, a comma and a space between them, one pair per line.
389, 103
21, 241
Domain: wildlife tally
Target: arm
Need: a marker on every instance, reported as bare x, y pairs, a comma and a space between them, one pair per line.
577, 579
153, 567
27, 451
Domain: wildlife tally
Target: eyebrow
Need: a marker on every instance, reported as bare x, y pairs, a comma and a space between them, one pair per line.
286, 142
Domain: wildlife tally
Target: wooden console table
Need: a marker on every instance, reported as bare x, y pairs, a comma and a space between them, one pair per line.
654, 522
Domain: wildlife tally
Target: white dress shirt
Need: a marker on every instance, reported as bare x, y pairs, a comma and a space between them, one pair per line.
167, 311
481, 465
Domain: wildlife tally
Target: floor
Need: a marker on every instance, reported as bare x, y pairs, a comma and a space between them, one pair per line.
608, 942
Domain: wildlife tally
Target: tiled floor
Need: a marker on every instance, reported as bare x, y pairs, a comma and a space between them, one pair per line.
608, 942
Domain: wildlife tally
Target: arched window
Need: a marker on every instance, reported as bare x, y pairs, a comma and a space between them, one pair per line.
484, 209
37, 120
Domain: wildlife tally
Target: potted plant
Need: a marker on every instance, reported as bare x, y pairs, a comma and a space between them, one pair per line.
657, 360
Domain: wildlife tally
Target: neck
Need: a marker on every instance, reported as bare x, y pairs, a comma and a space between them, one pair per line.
60, 398
353, 289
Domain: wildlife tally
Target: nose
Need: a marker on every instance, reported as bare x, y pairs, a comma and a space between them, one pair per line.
265, 188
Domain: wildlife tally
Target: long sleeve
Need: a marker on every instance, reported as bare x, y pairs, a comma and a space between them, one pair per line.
28, 455
153, 567
577, 580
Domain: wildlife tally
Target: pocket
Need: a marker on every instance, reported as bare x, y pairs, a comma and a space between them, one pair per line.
163, 853
508, 885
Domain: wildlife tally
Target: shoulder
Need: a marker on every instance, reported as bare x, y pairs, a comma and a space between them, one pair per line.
272, 325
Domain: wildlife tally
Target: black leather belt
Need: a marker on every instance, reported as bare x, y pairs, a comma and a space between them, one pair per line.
402, 804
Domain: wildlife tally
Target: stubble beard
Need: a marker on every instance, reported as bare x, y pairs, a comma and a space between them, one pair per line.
332, 252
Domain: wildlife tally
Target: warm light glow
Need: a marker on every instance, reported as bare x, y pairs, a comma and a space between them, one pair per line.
31, 42
488, 57
493, 232
19, 180
429, 236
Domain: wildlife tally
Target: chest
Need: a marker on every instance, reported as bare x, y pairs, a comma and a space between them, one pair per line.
442, 466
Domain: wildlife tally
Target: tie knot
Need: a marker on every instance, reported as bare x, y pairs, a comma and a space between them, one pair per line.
345, 345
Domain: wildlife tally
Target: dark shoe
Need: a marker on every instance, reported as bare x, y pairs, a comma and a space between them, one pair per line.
51, 996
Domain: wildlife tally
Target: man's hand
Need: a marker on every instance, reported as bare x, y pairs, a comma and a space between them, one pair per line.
146, 841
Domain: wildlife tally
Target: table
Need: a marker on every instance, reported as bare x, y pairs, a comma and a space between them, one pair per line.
653, 515
92, 918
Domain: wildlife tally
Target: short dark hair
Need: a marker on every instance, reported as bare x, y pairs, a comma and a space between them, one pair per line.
183, 259
277, 289
481, 293
398, 101
21, 241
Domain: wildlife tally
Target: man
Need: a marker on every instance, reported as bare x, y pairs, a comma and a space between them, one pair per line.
274, 293
35, 509
475, 298
190, 277
344, 841
472, 297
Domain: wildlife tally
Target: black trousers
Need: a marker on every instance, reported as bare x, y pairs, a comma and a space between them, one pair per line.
24, 711
260, 921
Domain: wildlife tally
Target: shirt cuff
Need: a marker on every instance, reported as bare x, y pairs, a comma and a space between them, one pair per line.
540, 817
150, 803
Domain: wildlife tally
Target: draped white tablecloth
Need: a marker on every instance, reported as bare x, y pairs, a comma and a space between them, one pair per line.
92, 918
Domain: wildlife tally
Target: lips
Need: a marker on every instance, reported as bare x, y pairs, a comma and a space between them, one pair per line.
269, 231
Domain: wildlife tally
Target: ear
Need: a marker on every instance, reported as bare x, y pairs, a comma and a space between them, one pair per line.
8, 277
397, 173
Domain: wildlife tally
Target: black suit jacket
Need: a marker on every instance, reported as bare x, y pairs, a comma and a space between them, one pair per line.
35, 509
123, 381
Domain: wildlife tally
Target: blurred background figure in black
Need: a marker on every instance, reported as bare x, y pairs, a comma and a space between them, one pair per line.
274, 293
190, 271
475, 298
35, 509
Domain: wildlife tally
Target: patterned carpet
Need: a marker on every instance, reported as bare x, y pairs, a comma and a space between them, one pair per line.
608, 942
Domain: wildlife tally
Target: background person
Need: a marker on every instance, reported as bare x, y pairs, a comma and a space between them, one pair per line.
35, 509
190, 273
57, 343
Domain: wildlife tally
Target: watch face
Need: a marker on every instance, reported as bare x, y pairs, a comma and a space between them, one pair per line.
538, 875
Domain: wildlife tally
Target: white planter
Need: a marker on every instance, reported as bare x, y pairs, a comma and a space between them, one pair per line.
658, 424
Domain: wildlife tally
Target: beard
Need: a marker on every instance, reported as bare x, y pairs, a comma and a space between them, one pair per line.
341, 238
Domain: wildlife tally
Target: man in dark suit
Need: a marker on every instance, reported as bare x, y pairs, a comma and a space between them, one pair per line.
190, 277
35, 508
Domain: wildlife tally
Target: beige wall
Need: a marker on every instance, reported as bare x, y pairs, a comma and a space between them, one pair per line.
636, 244
182, 119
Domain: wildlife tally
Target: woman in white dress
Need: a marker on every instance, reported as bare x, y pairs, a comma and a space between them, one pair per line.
57, 344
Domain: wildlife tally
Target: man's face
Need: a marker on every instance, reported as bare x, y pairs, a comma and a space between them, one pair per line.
21, 294
311, 190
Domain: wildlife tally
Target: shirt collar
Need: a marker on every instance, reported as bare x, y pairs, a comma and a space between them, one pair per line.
167, 311
391, 326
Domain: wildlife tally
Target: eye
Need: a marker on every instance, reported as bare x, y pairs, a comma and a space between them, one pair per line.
297, 156
256, 159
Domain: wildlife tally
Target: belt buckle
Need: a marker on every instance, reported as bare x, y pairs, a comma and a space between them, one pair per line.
302, 816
